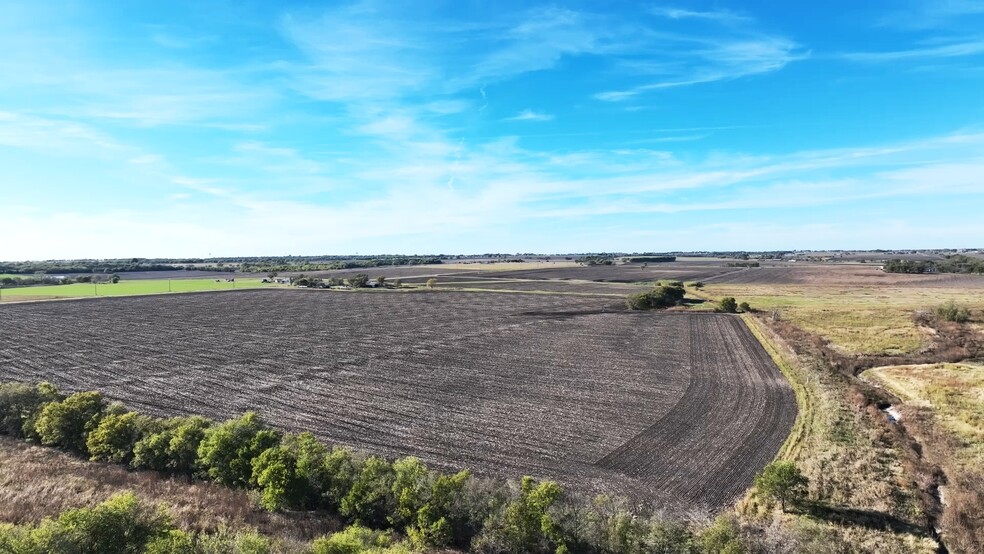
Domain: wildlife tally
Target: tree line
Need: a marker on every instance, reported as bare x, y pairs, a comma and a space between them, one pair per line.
416, 507
956, 263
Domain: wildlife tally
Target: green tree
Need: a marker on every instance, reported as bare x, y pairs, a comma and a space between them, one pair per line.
409, 490
728, 305
721, 538
782, 481
337, 477
67, 423
358, 280
227, 450
744, 307
20, 405
439, 521
526, 525
275, 473
369, 501
115, 436
171, 445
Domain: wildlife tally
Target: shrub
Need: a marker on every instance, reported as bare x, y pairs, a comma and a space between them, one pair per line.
227, 450
115, 436
721, 538
354, 539
174, 541
20, 404
431, 283
121, 524
744, 307
369, 501
728, 305
67, 423
951, 312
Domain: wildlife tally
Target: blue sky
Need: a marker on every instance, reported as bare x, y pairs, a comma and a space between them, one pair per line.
236, 128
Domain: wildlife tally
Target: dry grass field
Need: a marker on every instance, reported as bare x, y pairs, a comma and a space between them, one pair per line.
675, 409
38, 482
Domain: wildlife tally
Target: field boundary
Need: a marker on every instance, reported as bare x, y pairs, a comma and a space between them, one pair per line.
805, 404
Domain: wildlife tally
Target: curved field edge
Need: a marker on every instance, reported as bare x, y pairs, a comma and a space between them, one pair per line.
798, 380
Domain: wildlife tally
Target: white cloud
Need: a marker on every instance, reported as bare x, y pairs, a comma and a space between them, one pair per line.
530, 115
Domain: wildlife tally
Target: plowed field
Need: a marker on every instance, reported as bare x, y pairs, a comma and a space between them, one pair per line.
677, 409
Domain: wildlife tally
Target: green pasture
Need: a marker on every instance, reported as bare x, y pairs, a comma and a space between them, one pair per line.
126, 288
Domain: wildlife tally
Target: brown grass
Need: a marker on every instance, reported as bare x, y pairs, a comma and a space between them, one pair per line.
38, 482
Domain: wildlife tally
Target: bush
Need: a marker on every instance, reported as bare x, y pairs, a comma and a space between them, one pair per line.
115, 436
728, 305
951, 312
431, 283
722, 537
174, 541
67, 423
745, 308
369, 501
119, 525
354, 539
227, 450
20, 405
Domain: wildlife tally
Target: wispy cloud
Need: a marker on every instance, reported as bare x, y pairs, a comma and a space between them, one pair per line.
958, 49
530, 115
714, 15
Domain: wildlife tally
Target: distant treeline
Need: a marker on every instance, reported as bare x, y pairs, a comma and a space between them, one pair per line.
432, 510
264, 267
101, 266
287, 263
743, 264
650, 259
956, 263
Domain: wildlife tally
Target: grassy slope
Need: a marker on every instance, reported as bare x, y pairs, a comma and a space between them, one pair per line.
850, 468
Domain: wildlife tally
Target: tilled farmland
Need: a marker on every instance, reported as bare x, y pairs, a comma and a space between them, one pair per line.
675, 409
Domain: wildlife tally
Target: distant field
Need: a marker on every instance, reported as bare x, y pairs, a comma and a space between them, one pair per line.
506, 266
860, 319
124, 288
955, 393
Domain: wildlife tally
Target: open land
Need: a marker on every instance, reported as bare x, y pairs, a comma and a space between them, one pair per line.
677, 409
126, 288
